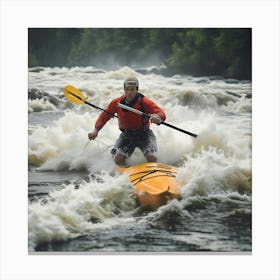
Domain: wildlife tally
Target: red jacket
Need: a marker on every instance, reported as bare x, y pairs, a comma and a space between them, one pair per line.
127, 119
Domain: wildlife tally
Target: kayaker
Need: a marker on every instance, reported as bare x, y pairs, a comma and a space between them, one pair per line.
135, 129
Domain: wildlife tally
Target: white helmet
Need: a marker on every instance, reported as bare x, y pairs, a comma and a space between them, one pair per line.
131, 81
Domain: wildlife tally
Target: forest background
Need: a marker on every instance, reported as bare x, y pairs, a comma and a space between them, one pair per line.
225, 52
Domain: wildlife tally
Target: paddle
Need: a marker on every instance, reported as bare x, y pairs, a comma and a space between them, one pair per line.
148, 116
75, 96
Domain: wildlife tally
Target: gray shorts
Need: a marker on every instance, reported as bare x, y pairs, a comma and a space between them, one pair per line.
130, 139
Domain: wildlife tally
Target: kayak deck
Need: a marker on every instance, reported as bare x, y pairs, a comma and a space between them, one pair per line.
155, 183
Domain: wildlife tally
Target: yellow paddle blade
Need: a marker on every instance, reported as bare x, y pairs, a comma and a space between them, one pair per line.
74, 95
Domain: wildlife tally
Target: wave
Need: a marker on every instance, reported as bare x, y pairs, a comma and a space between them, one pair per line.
106, 200
63, 145
39, 100
96, 205
210, 172
201, 92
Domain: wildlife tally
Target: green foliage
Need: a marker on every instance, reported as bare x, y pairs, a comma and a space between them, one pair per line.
32, 59
224, 52
194, 51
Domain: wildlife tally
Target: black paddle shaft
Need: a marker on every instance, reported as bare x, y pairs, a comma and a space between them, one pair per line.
147, 116
96, 107
142, 113
172, 126
179, 129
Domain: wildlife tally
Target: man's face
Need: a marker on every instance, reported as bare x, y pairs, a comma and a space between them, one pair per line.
130, 92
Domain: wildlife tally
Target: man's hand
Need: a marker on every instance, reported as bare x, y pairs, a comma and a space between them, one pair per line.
154, 118
93, 135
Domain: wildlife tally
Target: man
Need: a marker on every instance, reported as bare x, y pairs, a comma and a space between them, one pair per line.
135, 128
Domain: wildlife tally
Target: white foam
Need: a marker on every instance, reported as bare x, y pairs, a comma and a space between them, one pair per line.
70, 212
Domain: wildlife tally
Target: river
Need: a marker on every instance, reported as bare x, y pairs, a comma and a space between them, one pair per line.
79, 203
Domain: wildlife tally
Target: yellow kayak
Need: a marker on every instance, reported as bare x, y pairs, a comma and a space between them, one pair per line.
154, 183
